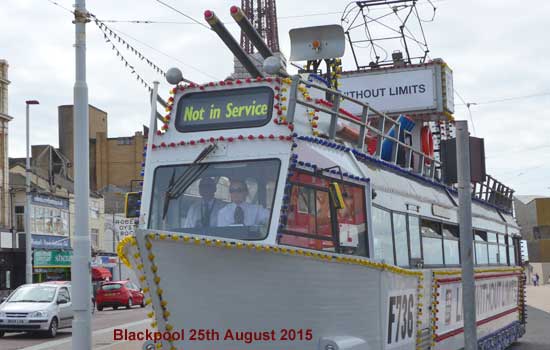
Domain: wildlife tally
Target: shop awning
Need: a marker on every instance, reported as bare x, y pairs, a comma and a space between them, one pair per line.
101, 273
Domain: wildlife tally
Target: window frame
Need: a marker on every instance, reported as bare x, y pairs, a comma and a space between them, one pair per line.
271, 208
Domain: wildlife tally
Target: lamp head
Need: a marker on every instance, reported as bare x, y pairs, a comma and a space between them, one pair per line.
32, 102
174, 76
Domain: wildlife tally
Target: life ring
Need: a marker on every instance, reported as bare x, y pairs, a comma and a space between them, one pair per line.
427, 141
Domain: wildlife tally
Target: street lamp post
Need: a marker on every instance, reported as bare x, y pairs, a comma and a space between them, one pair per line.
28, 235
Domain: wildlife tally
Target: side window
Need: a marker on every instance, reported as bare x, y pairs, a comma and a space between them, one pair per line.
352, 221
414, 237
492, 247
511, 251
502, 255
309, 221
451, 244
431, 242
382, 234
480, 241
63, 295
401, 241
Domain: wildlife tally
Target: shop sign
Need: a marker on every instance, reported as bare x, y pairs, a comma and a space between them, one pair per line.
50, 242
51, 258
50, 201
104, 261
124, 226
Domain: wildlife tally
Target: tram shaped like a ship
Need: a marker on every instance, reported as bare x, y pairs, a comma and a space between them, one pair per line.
276, 218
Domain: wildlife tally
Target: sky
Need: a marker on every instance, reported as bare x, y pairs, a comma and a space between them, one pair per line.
498, 51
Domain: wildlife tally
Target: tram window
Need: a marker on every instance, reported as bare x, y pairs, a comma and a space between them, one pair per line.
492, 247
502, 251
432, 245
309, 221
400, 234
207, 195
450, 244
482, 255
433, 254
493, 254
414, 237
352, 221
382, 234
511, 252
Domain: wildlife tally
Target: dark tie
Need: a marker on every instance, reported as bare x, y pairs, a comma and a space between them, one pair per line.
239, 215
205, 215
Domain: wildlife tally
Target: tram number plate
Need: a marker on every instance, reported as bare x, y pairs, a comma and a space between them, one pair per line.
401, 317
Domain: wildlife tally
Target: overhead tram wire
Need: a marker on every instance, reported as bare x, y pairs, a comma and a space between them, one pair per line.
469, 111
166, 55
183, 14
60, 6
111, 31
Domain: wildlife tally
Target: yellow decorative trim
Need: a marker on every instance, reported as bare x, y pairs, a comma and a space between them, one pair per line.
288, 251
121, 247
489, 270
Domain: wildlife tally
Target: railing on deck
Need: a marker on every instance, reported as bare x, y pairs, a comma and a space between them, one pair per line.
425, 165
494, 192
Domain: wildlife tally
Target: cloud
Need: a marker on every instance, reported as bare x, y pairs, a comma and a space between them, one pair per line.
496, 49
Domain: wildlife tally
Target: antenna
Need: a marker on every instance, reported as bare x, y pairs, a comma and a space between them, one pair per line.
386, 32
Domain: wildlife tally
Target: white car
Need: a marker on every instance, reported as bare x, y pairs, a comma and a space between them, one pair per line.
40, 307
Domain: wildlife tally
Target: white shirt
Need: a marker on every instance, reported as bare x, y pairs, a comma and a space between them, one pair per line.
253, 214
194, 214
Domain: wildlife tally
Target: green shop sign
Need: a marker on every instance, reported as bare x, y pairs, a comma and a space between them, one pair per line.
52, 258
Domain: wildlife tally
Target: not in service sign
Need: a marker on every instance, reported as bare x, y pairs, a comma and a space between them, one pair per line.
224, 109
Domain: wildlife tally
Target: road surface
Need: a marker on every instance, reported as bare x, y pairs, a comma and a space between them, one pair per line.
103, 324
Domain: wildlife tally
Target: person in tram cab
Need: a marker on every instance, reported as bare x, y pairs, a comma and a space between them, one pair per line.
240, 212
204, 213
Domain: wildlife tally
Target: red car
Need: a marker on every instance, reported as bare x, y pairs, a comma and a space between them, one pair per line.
119, 293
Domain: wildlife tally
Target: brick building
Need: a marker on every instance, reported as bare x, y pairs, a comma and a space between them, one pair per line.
114, 162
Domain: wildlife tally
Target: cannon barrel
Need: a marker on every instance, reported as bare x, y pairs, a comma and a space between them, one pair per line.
251, 32
219, 28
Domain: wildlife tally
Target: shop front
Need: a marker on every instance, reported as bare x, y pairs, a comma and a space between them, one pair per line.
51, 265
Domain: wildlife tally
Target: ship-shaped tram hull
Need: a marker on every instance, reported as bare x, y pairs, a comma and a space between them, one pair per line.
347, 237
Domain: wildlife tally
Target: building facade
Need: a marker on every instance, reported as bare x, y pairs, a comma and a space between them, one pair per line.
12, 259
113, 161
5, 118
51, 218
533, 215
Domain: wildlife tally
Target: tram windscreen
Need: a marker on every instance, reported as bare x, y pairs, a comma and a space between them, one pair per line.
224, 109
223, 199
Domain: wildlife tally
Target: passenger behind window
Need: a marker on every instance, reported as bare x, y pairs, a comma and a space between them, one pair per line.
204, 213
239, 212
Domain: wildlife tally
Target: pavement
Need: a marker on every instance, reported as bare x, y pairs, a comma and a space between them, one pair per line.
538, 320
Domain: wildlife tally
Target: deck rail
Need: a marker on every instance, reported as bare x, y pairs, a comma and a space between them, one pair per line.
425, 166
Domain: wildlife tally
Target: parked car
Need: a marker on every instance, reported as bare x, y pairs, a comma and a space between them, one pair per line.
119, 293
40, 307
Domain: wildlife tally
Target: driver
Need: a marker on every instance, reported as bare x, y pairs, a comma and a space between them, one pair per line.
239, 212
204, 213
